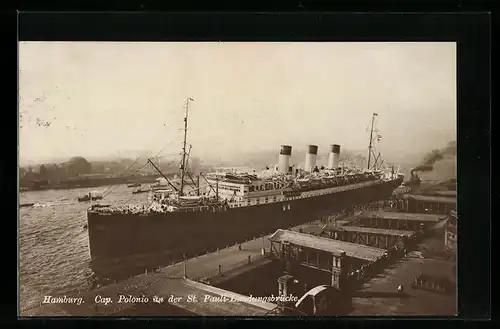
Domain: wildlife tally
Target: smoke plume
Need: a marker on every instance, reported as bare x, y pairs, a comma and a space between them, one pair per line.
439, 164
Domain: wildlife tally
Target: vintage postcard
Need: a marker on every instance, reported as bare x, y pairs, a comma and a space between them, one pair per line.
237, 178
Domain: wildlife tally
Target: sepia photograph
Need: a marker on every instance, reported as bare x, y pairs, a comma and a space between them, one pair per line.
237, 179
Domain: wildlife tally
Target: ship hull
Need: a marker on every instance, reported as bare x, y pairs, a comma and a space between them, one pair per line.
142, 241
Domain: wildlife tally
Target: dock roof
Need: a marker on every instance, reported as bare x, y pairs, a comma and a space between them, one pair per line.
210, 300
430, 198
446, 193
335, 247
213, 301
402, 216
401, 233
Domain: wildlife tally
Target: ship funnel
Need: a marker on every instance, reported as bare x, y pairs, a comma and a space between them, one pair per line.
284, 159
312, 152
333, 157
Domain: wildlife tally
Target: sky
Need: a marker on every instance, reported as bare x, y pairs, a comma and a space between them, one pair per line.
99, 99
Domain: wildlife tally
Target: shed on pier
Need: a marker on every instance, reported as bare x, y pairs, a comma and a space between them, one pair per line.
425, 204
373, 237
399, 220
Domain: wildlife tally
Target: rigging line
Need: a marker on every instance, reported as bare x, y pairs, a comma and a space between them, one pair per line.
208, 183
167, 155
118, 185
120, 175
105, 192
190, 177
134, 172
172, 141
131, 197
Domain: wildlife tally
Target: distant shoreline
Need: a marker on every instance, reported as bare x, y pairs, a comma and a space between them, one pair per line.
69, 185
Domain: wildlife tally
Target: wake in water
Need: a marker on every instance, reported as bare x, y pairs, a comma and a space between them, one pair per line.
52, 204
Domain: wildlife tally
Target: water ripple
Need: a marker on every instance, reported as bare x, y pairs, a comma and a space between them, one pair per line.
53, 246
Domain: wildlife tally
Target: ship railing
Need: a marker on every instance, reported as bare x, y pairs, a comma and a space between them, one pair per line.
191, 209
213, 208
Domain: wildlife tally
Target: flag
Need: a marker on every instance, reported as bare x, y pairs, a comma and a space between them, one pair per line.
191, 99
375, 113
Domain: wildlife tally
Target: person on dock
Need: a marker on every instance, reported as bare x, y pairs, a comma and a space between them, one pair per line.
239, 247
401, 289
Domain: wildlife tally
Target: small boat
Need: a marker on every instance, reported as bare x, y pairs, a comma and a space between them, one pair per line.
98, 205
134, 185
22, 205
140, 191
89, 197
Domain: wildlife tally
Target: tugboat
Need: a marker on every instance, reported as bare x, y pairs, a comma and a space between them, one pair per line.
414, 182
23, 205
89, 197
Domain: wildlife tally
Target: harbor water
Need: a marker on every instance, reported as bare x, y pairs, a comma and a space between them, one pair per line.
54, 257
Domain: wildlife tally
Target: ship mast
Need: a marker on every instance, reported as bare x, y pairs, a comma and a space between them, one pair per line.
181, 192
371, 141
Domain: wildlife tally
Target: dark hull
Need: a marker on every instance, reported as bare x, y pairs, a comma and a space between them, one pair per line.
133, 239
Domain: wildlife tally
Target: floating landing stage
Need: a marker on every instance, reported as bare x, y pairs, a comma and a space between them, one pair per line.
448, 199
399, 220
377, 231
402, 216
331, 227
379, 295
332, 246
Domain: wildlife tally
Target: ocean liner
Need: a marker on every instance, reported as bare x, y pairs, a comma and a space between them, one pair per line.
232, 206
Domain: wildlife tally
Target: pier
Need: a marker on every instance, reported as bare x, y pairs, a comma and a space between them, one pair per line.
399, 220
373, 237
337, 258
367, 262
436, 204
